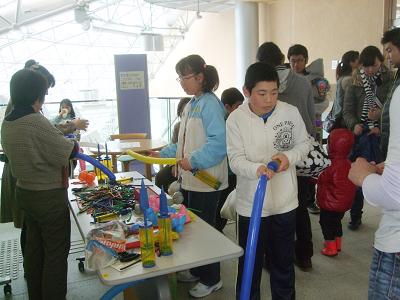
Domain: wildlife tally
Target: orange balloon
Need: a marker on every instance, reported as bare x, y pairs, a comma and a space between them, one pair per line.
90, 177
83, 175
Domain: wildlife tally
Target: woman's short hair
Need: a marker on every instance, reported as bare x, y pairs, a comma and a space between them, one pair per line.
35, 66
27, 86
368, 56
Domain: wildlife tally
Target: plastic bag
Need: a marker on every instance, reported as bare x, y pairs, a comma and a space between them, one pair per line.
98, 256
228, 210
112, 235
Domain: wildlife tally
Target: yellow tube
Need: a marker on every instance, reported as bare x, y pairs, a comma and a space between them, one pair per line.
151, 160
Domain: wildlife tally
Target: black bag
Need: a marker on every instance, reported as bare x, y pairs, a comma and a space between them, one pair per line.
331, 122
367, 146
315, 162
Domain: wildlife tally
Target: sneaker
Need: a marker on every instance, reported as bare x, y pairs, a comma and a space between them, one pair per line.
354, 225
186, 276
201, 290
313, 209
304, 264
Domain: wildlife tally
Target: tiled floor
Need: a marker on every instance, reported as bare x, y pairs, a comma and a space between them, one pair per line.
341, 277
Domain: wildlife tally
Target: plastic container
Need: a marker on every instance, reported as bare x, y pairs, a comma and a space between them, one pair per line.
165, 235
147, 248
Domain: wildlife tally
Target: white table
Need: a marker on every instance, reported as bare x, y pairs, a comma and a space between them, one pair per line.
199, 244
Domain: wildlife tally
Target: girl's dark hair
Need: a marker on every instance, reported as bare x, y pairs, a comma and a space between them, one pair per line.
27, 86
258, 72
195, 64
181, 106
368, 56
35, 66
270, 53
67, 102
344, 67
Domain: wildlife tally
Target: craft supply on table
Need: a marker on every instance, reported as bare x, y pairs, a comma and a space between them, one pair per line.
164, 226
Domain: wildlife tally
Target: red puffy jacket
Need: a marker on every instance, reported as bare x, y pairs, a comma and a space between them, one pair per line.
335, 192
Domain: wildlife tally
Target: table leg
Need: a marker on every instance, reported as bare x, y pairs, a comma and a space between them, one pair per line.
114, 163
129, 294
148, 172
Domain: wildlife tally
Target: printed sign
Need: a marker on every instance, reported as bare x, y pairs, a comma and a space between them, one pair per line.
132, 80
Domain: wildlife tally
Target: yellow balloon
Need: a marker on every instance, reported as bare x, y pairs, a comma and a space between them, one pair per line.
151, 160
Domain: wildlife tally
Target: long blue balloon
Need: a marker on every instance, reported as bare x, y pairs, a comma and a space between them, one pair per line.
98, 165
254, 228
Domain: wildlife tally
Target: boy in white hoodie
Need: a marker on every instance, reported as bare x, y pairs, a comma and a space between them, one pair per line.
260, 130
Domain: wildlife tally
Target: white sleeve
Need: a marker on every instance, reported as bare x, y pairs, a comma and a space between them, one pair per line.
383, 191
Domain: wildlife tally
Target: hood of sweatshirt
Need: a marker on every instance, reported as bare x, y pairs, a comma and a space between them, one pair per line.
283, 74
316, 67
340, 143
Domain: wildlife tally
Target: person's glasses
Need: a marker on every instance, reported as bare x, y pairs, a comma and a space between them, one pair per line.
182, 78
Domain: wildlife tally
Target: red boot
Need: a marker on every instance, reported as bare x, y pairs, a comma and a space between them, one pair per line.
338, 241
330, 248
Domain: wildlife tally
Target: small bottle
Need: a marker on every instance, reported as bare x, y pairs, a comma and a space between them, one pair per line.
164, 226
147, 248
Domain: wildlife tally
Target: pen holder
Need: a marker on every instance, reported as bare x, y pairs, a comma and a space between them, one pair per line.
165, 235
108, 163
147, 248
101, 177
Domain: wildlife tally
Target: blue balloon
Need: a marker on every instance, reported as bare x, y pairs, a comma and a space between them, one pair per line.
98, 165
254, 228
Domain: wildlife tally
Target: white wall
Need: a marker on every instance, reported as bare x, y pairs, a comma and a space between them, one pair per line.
212, 37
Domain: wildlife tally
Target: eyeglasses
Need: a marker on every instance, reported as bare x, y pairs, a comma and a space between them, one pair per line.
182, 78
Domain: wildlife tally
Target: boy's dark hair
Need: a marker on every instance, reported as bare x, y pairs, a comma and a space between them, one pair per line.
258, 72
270, 53
181, 106
195, 64
231, 96
368, 56
297, 49
67, 102
27, 86
35, 66
392, 36
344, 67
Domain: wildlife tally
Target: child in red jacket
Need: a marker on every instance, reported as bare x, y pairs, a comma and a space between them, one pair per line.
335, 192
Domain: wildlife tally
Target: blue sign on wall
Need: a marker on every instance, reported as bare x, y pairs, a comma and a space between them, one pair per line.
132, 93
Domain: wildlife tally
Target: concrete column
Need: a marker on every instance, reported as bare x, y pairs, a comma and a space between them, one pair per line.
246, 35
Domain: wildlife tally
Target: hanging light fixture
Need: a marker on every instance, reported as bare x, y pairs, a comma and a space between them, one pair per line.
152, 41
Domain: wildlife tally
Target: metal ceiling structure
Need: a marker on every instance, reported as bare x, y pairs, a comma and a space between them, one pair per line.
77, 39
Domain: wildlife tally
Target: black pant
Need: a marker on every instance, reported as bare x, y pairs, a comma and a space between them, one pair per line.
358, 204
221, 222
303, 245
275, 237
48, 232
311, 193
331, 224
205, 206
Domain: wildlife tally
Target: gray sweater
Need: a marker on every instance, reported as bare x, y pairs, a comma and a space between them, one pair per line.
38, 153
295, 89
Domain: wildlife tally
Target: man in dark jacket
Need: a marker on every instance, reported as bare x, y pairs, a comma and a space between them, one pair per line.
298, 58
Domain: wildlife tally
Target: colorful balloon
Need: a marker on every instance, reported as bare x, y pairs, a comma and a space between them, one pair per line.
98, 165
152, 160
